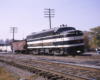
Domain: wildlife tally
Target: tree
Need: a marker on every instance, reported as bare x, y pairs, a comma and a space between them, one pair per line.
86, 38
2, 40
7, 41
95, 37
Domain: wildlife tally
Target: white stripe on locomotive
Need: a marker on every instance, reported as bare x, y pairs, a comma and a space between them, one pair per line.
56, 40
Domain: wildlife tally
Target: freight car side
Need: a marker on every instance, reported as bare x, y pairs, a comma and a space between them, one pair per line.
19, 46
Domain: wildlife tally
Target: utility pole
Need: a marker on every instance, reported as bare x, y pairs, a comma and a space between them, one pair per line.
13, 30
49, 13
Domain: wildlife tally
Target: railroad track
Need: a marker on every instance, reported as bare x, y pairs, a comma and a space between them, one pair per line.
46, 72
57, 69
55, 63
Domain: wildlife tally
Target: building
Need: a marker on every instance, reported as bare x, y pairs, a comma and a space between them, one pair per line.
2, 44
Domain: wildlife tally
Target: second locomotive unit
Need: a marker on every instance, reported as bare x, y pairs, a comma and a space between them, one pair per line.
58, 41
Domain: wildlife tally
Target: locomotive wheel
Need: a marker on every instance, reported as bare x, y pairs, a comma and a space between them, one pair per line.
58, 52
34, 52
39, 52
62, 52
53, 53
44, 51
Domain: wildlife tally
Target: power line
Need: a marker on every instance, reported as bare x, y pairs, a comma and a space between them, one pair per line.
49, 13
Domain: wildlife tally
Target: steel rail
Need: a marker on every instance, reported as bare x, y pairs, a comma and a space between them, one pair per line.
46, 70
80, 66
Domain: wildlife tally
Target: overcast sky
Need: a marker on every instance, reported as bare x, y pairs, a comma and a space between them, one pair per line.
28, 15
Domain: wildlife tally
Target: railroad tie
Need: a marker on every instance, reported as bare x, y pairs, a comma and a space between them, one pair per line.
63, 79
33, 70
49, 76
46, 74
42, 73
56, 77
37, 71
29, 70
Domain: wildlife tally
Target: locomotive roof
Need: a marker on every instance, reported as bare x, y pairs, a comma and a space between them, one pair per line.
48, 30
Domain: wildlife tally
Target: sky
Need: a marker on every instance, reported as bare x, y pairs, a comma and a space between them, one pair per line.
28, 15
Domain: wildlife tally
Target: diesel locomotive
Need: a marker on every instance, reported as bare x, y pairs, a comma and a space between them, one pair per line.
57, 41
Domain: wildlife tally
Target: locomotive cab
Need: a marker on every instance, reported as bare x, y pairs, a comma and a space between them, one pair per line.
63, 30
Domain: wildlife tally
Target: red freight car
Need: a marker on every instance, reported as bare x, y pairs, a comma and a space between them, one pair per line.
19, 46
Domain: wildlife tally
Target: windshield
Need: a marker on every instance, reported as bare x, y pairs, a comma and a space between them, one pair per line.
65, 29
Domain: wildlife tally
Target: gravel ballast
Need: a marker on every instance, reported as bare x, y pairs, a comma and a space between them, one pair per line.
19, 73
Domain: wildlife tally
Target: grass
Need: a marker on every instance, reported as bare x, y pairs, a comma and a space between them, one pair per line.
5, 75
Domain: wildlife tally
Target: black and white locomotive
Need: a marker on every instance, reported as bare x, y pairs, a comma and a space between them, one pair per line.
58, 41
